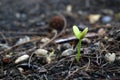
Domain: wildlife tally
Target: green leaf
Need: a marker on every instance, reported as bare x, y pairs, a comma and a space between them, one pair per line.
77, 32
84, 32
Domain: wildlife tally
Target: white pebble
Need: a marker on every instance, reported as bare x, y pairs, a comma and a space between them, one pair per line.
110, 57
45, 39
20, 69
21, 58
22, 40
41, 52
93, 18
69, 8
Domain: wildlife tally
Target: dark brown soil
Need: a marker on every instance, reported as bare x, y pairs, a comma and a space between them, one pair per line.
37, 19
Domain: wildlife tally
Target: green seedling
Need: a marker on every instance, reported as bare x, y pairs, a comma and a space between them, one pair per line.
79, 35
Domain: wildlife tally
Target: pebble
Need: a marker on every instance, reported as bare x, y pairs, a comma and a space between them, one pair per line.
101, 32
110, 57
106, 19
93, 18
20, 69
68, 52
23, 40
21, 58
45, 39
69, 8
41, 52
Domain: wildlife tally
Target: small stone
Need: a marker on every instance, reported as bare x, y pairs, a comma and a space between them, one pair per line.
23, 40
106, 19
101, 32
20, 69
45, 39
93, 18
69, 8
41, 52
110, 57
21, 58
110, 40
68, 52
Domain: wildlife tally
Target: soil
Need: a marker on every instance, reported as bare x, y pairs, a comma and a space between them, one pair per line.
30, 25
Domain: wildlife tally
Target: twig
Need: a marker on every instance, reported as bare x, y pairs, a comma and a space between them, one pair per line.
45, 77
55, 35
87, 67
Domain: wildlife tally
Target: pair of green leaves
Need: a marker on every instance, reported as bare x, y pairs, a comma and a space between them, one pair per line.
79, 35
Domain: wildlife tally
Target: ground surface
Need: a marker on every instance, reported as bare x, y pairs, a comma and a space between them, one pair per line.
34, 21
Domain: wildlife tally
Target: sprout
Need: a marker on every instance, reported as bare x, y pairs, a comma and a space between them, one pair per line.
79, 35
